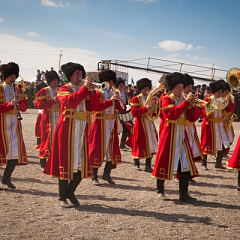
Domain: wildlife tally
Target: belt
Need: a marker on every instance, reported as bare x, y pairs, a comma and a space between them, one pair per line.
54, 109
180, 121
75, 115
12, 112
105, 116
188, 123
216, 120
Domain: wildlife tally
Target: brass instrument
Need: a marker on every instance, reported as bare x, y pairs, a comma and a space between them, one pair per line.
233, 78
231, 116
154, 102
22, 86
218, 104
19, 117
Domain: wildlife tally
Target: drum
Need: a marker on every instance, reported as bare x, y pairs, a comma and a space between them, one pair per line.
126, 116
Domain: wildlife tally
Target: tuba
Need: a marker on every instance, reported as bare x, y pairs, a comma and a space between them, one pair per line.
233, 78
154, 101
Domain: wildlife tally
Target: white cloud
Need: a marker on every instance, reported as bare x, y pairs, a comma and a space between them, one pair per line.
1, 19
170, 45
33, 34
48, 3
32, 55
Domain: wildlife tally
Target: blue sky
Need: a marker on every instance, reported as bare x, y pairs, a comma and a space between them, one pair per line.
201, 32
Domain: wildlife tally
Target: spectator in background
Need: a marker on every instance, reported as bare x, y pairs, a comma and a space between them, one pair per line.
38, 76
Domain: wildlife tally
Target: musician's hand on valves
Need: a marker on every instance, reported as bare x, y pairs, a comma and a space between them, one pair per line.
190, 97
56, 99
115, 96
88, 82
149, 108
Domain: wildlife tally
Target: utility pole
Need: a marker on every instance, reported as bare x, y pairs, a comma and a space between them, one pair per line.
59, 64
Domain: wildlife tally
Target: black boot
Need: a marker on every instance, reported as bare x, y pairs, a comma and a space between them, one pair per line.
63, 191
219, 160
43, 163
160, 189
72, 187
95, 177
204, 163
124, 138
148, 167
238, 185
137, 164
106, 174
11, 164
183, 188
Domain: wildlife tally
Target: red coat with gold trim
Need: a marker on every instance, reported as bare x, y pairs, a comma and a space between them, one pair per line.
61, 160
97, 135
208, 133
50, 116
164, 162
6, 109
233, 162
140, 140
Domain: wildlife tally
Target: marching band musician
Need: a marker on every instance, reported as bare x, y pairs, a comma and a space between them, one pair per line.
69, 156
233, 163
103, 135
120, 87
213, 125
228, 116
12, 146
144, 137
190, 126
47, 100
174, 151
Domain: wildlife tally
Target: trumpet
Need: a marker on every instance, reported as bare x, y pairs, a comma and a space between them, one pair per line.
104, 85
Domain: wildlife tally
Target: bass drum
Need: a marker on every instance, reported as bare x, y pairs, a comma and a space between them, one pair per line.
126, 116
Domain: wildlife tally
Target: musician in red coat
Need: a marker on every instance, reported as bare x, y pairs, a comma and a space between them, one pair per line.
213, 125
103, 135
174, 151
144, 137
12, 147
233, 162
47, 100
69, 156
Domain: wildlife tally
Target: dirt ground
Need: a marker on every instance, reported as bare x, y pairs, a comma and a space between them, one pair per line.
128, 210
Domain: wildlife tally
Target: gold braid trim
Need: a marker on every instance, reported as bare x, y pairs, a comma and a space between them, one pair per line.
64, 93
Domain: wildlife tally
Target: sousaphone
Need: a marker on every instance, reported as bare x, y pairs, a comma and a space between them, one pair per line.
233, 78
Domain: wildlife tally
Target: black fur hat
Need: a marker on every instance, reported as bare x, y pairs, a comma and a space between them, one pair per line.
143, 82
173, 79
225, 86
69, 68
216, 86
9, 69
189, 80
51, 75
107, 75
118, 81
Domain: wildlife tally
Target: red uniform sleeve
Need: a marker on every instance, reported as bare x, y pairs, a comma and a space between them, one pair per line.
194, 114
23, 105
40, 101
104, 104
136, 110
171, 111
69, 99
5, 107
230, 107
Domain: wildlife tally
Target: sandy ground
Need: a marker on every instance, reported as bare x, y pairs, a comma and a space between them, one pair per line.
128, 210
